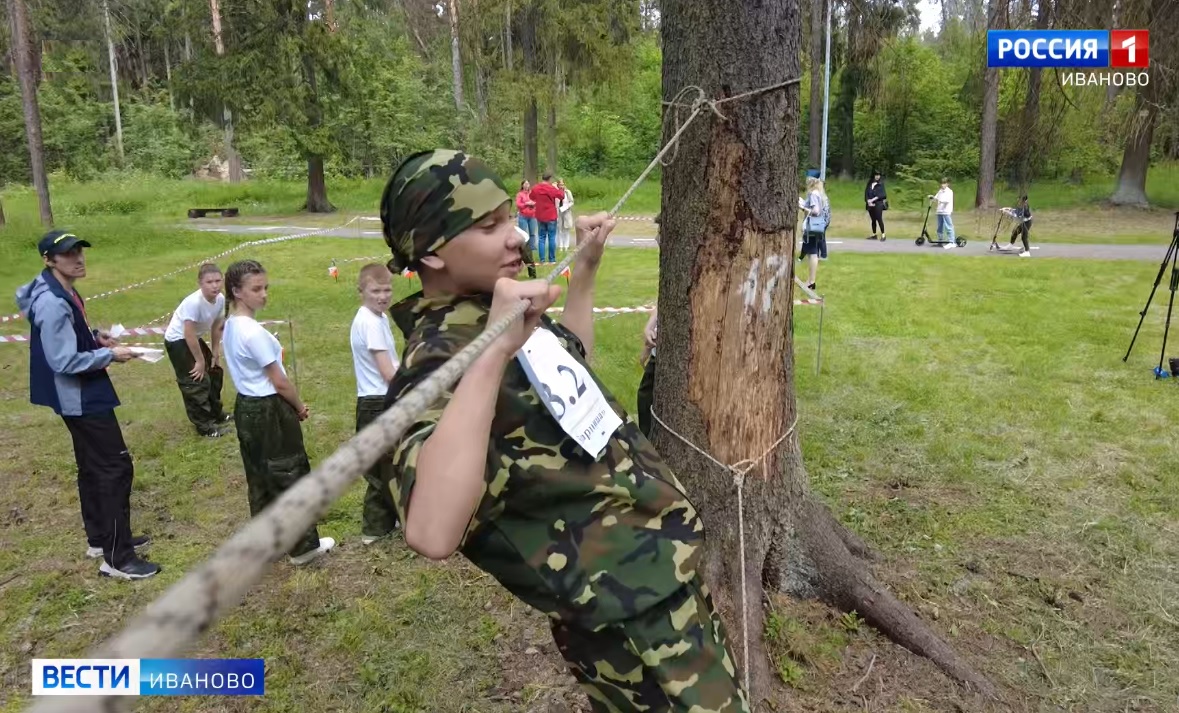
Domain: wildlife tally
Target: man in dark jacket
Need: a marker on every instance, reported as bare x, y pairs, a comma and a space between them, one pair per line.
67, 372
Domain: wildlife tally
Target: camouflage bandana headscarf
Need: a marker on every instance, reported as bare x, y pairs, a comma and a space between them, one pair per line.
431, 198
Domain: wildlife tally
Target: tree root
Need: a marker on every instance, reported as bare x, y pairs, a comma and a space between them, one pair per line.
844, 582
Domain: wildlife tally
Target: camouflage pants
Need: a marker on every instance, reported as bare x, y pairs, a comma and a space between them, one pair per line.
379, 516
273, 455
671, 658
202, 399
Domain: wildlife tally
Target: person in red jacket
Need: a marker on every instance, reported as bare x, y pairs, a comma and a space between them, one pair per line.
547, 196
526, 214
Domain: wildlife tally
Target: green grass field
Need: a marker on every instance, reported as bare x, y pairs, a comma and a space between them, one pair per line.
973, 420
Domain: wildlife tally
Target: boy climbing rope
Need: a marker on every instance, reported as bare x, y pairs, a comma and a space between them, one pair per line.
530, 467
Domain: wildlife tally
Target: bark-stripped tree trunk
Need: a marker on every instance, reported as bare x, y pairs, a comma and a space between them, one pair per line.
27, 71
984, 197
726, 377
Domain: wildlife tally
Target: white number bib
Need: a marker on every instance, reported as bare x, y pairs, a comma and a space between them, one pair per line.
572, 397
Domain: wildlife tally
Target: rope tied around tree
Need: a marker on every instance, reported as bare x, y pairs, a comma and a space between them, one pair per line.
738, 470
699, 103
192, 605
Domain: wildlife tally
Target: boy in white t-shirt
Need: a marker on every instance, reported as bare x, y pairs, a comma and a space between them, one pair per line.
945, 212
198, 371
374, 358
268, 408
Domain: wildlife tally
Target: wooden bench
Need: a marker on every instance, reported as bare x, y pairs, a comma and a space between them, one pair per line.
203, 212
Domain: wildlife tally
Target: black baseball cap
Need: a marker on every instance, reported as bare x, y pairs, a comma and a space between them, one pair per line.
57, 242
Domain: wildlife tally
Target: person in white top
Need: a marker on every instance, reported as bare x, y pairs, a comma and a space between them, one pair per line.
565, 219
198, 373
374, 358
945, 212
268, 409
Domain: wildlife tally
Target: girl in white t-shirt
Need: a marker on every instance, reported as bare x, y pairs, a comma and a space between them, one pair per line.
268, 409
198, 371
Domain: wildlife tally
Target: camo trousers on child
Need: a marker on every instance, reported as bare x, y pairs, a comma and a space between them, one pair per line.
671, 658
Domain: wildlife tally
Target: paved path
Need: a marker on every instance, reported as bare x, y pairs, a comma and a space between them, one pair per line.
1093, 251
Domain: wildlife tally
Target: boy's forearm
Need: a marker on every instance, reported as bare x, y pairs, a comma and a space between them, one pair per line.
578, 315
451, 466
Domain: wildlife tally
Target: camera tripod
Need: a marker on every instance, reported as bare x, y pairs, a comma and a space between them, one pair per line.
1172, 258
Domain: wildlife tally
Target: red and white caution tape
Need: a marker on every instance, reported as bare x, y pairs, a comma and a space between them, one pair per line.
136, 331
362, 259
611, 310
177, 271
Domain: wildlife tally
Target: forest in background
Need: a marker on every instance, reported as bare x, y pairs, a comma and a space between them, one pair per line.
346, 88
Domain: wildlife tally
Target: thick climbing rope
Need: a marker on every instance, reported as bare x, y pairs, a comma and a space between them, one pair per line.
192, 605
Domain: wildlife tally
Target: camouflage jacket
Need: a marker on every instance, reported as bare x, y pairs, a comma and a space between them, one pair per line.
589, 542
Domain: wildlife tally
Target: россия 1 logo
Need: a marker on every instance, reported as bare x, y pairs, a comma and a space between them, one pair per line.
1094, 49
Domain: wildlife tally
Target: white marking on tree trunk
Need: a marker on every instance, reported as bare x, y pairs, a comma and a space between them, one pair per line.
780, 266
749, 288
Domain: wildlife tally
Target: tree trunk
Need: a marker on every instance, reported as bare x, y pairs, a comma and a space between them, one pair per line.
142, 52
815, 142
26, 75
1031, 107
552, 139
531, 157
845, 108
551, 142
168, 76
456, 60
725, 306
232, 158
114, 68
317, 199
508, 35
2, 221
528, 45
1131, 188
329, 7
984, 197
481, 89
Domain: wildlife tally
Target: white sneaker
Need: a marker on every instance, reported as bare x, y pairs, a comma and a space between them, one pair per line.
1025, 253
949, 246
325, 545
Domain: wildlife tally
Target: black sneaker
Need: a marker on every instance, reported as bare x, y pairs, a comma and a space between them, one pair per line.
133, 568
215, 433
